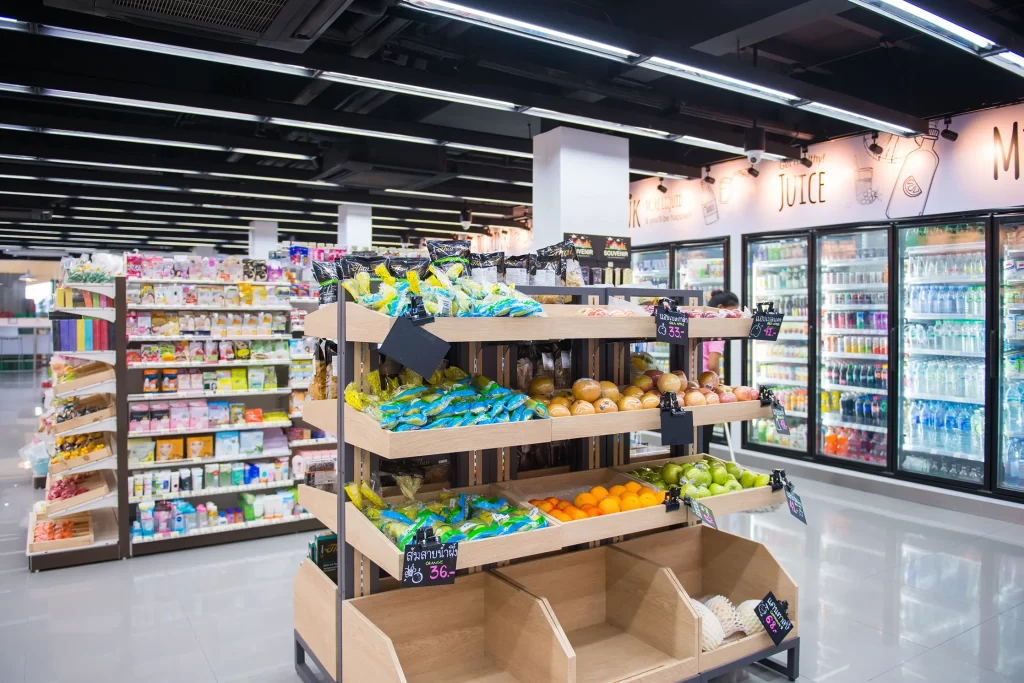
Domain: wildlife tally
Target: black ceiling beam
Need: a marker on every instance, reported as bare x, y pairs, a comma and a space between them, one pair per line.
772, 25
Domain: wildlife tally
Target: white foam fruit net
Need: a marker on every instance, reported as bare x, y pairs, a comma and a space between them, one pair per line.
711, 635
726, 613
745, 612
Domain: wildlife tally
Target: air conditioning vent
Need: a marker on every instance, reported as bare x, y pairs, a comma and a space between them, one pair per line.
247, 16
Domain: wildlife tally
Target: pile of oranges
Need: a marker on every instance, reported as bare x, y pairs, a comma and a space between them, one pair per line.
600, 501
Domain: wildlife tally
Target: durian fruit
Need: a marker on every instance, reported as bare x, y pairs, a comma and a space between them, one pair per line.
711, 635
726, 613
745, 612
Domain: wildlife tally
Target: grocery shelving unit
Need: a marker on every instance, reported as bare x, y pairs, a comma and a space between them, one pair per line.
351, 630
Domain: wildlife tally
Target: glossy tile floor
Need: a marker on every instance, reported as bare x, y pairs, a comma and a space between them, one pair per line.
890, 592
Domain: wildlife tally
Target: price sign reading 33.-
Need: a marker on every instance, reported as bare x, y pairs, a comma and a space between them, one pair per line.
672, 327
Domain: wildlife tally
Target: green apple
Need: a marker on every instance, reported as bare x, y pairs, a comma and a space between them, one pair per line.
691, 491
671, 472
717, 489
734, 469
733, 485
700, 477
720, 476
762, 480
703, 492
747, 479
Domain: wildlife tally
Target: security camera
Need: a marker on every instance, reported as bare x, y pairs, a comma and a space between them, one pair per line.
753, 144
466, 218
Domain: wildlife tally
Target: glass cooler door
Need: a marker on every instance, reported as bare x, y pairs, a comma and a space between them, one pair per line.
701, 268
777, 271
652, 266
853, 305
942, 343
1010, 450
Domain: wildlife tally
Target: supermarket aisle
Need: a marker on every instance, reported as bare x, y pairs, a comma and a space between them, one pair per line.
891, 592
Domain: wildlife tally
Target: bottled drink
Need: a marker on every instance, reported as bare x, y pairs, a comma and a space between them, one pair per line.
1013, 408
830, 442
916, 435
978, 431
951, 429
938, 423
965, 427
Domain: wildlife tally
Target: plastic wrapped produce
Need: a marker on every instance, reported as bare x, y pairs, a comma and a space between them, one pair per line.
748, 619
726, 613
712, 635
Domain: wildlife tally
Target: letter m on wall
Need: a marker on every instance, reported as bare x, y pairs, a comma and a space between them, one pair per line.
1005, 156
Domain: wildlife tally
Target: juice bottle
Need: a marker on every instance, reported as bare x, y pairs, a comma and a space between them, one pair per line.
830, 442
843, 443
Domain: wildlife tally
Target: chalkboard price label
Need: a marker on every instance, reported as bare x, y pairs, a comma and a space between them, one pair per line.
676, 428
779, 415
672, 327
703, 512
429, 564
414, 347
765, 325
772, 615
796, 506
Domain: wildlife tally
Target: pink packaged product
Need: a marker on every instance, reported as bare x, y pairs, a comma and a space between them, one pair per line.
138, 417
159, 416
133, 265
198, 415
211, 351
150, 353
132, 322
191, 380
179, 415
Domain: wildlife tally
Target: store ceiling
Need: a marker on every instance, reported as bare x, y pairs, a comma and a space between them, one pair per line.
133, 141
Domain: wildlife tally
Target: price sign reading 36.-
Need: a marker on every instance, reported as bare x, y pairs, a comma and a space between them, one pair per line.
429, 564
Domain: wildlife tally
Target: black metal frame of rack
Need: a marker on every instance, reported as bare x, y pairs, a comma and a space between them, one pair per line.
992, 221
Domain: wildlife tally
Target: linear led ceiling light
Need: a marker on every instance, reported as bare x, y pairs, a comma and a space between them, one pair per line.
482, 200
418, 91
692, 73
946, 31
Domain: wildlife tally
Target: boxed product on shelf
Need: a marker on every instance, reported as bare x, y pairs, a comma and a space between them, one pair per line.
82, 335
174, 518
70, 297
205, 477
624, 617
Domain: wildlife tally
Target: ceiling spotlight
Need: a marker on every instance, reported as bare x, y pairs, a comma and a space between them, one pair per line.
753, 172
466, 218
804, 161
949, 134
707, 177
661, 186
27, 277
874, 147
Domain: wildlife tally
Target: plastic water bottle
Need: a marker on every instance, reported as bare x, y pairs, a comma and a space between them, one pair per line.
928, 424
938, 426
960, 302
1015, 451
1013, 408
978, 431
916, 422
951, 429
965, 428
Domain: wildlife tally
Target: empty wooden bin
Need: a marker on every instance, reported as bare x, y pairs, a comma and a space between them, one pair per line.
481, 629
626, 618
710, 562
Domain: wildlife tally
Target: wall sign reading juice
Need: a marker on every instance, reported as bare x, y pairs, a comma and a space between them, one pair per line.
852, 180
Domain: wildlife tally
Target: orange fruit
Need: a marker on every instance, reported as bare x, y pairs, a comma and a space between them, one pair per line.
633, 487
644, 489
599, 492
659, 497
609, 505
617, 490
562, 504
546, 506
579, 514
561, 516
535, 502
629, 502
569, 509
648, 499
594, 511
584, 499
554, 501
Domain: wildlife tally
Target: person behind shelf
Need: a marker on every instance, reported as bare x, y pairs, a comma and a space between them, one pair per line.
712, 352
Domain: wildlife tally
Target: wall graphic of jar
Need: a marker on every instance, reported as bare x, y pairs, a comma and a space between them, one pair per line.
708, 203
914, 183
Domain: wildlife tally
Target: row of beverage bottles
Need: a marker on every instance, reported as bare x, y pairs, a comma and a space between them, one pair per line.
849, 407
856, 299
793, 330
945, 336
855, 320
1013, 325
968, 264
1013, 463
791, 304
946, 377
762, 430
791, 373
793, 400
702, 269
848, 343
863, 375
785, 278
855, 277
950, 300
945, 425
855, 444
782, 352
778, 251
940, 466
958, 233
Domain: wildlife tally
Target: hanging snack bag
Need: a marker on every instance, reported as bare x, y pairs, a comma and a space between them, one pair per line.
400, 267
446, 253
517, 270
327, 276
487, 269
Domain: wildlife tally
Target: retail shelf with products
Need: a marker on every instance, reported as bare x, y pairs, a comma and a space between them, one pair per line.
105, 425
944, 352
941, 316
175, 395
332, 617
305, 443
832, 422
855, 389
923, 396
854, 356
107, 314
107, 357
302, 356
195, 307
917, 448
106, 289
228, 529
209, 365
853, 331
213, 491
212, 429
857, 287
162, 465
108, 386
104, 459
173, 338
768, 382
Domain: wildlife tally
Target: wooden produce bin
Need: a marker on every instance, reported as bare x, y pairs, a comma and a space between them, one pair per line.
61, 465
96, 485
362, 535
81, 533
724, 504
86, 376
566, 486
316, 614
105, 409
710, 562
626, 618
481, 629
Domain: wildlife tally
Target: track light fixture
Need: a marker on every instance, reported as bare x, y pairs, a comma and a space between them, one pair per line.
753, 172
804, 161
874, 147
949, 134
707, 176
466, 218
661, 186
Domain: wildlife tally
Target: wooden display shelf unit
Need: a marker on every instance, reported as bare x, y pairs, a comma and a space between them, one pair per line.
104, 409
480, 629
723, 504
81, 533
603, 424
710, 562
86, 375
626, 618
62, 466
97, 485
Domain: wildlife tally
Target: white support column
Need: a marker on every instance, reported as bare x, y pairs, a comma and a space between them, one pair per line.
355, 226
580, 185
262, 238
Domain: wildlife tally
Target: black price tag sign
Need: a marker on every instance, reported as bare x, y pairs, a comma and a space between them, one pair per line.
429, 564
766, 323
779, 415
671, 327
414, 347
773, 616
703, 512
796, 506
676, 423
